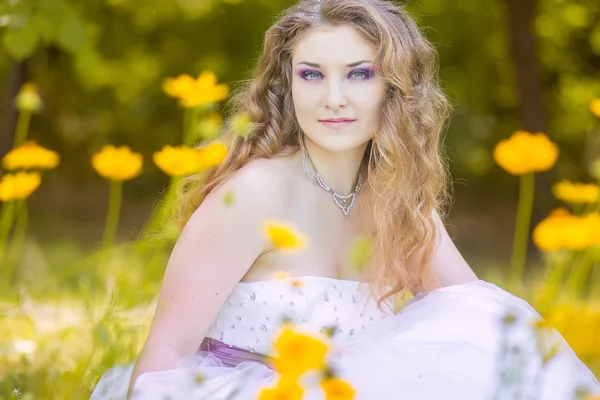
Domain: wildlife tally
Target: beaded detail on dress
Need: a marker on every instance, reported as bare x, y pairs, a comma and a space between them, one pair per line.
254, 311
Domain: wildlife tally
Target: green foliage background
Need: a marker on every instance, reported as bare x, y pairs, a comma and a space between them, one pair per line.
100, 64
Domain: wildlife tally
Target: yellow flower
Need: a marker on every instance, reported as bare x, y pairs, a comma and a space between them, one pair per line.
281, 275
30, 155
525, 152
178, 161
241, 124
548, 236
593, 225
180, 86
194, 92
361, 251
576, 193
337, 389
213, 154
285, 389
577, 234
28, 98
297, 353
284, 236
284, 276
595, 107
117, 163
19, 186
579, 323
229, 198
563, 230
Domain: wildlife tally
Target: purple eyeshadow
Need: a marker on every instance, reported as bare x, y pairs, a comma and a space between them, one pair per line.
368, 73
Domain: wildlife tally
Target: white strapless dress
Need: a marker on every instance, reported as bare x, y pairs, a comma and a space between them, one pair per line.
450, 343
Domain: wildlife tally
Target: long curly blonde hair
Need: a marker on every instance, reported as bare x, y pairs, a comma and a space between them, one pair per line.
407, 177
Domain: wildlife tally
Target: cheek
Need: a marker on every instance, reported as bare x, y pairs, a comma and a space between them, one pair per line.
305, 101
368, 107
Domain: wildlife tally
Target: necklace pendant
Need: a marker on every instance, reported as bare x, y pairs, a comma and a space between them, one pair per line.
345, 203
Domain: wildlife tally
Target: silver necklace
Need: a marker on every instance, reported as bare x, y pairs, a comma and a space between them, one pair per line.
344, 202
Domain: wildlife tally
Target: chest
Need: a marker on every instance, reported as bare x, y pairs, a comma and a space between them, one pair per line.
330, 239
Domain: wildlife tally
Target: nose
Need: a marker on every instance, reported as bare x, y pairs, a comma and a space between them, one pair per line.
335, 97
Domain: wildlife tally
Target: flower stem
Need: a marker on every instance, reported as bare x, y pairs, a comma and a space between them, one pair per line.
6, 219
580, 272
190, 125
22, 128
112, 218
555, 277
521, 236
16, 244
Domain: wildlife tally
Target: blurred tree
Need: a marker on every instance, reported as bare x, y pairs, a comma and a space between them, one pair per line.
29, 26
531, 106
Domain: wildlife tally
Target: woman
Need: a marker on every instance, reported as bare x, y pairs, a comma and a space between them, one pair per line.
347, 117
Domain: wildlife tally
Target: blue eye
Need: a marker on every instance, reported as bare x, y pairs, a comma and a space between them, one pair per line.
365, 74
311, 75
360, 74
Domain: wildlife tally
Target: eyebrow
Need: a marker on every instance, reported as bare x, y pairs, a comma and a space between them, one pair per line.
314, 65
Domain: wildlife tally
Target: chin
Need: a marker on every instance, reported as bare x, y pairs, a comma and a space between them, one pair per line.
340, 143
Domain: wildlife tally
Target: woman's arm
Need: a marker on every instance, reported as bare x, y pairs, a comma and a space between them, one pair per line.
216, 248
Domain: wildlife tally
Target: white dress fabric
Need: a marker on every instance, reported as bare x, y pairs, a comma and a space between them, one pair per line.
469, 341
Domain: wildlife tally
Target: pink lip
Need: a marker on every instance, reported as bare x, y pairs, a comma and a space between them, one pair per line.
337, 123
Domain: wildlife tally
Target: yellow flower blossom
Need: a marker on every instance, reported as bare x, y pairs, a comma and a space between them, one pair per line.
576, 193
195, 92
180, 86
561, 230
361, 251
19, 185
579, 323
286, 389
284, 276
297, 353
281, 275
593, 225
284, 236
241, 124
30, 155
178, 161
548, 236
229, 198
117, 163
213, 154
595, 107
525, 152
577, 235
28, 98
337, 389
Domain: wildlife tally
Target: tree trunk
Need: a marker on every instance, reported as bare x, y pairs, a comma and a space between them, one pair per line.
521, 14
531, 105
13, 84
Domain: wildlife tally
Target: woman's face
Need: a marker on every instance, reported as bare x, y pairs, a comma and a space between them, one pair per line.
334, 79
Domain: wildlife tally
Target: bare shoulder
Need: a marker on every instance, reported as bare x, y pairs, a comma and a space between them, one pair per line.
263, 177
257, 190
